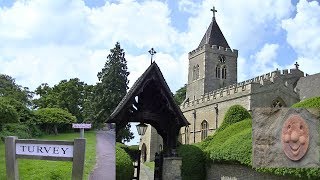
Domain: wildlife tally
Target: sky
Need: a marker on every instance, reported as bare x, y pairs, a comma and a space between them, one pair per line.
46, 41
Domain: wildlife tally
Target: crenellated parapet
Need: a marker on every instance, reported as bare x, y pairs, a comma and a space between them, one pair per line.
213, 48
263, 82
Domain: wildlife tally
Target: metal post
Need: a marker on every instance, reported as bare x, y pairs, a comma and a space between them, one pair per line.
11, 160
79, 149
81, 132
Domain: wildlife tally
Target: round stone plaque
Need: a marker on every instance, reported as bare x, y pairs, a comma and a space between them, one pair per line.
295, 137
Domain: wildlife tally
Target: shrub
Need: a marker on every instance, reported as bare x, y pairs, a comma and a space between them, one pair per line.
133, 150
124, 165
193, 162
8, 114
308, 103
233, 144
234, 114
24, 113
15, 129
52, 118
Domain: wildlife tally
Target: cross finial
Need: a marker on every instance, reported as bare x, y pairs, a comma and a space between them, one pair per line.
297, 65
213, 12
152, 52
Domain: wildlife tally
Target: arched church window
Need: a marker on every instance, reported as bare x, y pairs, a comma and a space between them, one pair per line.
195, 72
186, 135
217, 72
222, 59
224, 72
204, 129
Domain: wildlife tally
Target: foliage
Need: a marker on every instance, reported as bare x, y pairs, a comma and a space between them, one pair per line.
9, 88
308, 103
150, 165
193, 162
51, 118
234, 114
24, 113
8, 114
71, 95
124, 165
133, 150
124, 134
111, 88
180, 95
15, 129
233, 144
40, 169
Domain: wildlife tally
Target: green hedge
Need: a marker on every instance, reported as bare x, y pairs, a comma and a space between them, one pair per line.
233, 144
193, 162
308, 103
124, 164
234, 114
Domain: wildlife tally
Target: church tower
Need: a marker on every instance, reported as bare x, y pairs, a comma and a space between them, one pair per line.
212, 65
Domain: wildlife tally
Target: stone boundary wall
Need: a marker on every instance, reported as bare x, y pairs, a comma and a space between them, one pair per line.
239, 172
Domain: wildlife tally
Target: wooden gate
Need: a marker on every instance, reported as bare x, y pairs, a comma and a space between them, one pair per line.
137, 161
158, 162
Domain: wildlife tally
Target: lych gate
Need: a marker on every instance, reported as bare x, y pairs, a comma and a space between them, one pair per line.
150, 101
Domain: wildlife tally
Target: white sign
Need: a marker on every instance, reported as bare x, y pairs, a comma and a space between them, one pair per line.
81, 126
44, 150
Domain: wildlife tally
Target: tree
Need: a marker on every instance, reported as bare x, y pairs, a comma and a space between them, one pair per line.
70, 95
180, 95
7, 114
52, 118
8, 88
112, 87
24, 113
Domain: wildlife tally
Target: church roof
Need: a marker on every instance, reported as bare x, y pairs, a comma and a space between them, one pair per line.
214, 36
154, 78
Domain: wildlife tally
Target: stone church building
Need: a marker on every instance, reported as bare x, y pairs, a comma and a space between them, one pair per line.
213, 87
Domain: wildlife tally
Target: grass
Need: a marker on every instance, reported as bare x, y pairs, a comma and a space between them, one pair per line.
150, 165
53, 170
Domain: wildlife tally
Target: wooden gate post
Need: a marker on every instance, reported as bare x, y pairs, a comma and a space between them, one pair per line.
11, 160
79, 149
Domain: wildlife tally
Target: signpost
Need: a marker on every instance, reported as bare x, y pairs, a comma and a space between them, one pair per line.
81, 127
44, 150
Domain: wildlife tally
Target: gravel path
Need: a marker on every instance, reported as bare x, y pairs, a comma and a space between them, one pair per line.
145, 172
105, 168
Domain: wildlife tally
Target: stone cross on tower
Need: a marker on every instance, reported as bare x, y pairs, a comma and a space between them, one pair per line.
213, 11
297, 65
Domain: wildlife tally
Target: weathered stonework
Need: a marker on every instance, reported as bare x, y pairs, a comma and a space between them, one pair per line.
209, 97
270, 126
172, 168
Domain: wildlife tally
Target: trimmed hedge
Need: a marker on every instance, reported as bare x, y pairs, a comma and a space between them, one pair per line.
233, 144
193, 162
308, 103
124, 164
234, 114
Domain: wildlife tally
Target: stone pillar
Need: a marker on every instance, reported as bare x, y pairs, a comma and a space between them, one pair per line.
172, 168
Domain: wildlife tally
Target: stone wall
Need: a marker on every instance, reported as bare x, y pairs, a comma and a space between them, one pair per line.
239, 172
309, 86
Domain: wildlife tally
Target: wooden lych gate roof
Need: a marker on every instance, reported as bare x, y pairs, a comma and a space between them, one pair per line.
150, 101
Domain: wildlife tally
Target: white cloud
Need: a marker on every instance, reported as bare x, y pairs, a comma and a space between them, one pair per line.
303, 35
244, 23
47, 41
188, 6
265, 60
